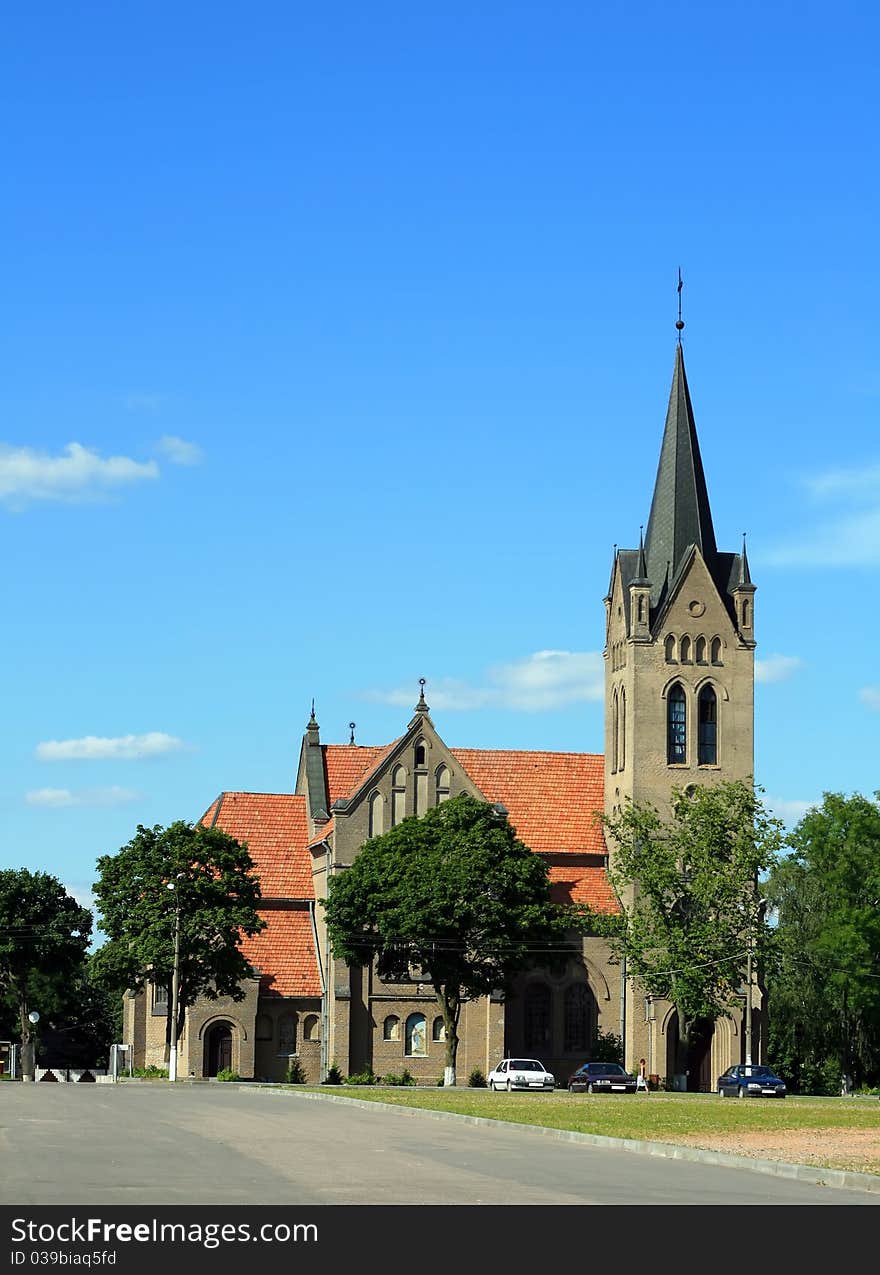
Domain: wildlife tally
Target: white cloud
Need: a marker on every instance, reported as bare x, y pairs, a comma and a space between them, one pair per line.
852, 540
848, 536
542, 681
179, 452
95, 748
789, 811
144, 401
60, 798
77, 474
81, 893
776, 668
846, 482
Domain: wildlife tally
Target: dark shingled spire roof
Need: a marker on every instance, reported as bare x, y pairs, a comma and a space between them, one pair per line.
680, 514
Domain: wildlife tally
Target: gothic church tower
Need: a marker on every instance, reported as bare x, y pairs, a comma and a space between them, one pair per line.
679, 654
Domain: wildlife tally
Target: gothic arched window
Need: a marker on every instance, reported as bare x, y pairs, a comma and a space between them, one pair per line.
670, 648
441, 775
707, 727
700, 650
537, 1024
398, 795
377, 814
685, 650
577, 1019
676, 726
716, 650
615, 728
621, 754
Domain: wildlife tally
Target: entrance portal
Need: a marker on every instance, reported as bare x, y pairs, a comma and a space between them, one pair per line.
218, 1049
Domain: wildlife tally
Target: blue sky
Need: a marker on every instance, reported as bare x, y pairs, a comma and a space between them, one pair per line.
336, 351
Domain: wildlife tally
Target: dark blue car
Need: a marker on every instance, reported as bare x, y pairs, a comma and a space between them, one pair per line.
750, 1080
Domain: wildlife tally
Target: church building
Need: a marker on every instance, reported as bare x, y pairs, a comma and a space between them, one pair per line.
679, 678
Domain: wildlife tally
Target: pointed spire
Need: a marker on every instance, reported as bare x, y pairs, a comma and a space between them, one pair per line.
313, 721
680, 513
641, 576
745, 576
422, 706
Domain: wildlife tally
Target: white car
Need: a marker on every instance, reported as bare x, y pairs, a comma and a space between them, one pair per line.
520, 1073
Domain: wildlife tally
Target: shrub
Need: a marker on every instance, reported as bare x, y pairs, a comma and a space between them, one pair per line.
476, 1080
607, 1048
334, 1075
403, 1079
296, 1074
150, 1073
226, 1073
365, 1077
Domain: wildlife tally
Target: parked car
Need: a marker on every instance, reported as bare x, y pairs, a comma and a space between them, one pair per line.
520, 1073
600, 1077
748, 1080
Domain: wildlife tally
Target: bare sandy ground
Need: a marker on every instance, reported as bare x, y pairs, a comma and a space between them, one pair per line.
855, 1149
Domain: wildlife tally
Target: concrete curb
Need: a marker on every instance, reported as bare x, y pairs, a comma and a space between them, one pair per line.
667, 1150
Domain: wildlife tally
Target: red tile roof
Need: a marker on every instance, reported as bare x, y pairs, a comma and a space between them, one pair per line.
275, 827
323, 832
552, 798
573, 883
347, 766
284, 953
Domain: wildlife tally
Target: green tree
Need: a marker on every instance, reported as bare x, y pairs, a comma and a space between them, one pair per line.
824, 978
44, 937
198, 877
689, 907
453, 894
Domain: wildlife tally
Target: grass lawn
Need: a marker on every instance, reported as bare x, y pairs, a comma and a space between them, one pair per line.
722, 1123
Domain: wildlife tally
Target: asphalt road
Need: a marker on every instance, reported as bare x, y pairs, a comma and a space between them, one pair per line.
214, 1145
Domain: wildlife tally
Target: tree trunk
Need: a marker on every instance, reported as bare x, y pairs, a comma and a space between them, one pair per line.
450, 1006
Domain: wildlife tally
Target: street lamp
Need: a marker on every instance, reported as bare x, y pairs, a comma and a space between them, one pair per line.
175, 985
28, 1051
760, 904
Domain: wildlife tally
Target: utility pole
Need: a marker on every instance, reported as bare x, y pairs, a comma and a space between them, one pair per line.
749, 998
175, 985
760, 904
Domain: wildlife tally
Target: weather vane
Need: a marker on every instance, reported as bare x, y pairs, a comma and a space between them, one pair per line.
351, 726
680, 323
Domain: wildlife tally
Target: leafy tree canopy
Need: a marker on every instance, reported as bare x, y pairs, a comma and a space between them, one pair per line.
687, 885
206, 876
454, 894
824, 980
44, 937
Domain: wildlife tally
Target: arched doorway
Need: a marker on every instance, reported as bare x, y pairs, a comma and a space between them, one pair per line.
690, 1068
218, 1049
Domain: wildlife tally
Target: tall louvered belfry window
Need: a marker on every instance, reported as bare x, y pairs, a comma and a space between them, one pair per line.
676, 726
707, 727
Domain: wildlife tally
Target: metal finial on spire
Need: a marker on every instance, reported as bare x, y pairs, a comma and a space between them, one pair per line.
351, 726
680, 323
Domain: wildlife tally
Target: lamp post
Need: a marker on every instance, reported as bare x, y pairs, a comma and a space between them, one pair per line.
175, 985
28, 1050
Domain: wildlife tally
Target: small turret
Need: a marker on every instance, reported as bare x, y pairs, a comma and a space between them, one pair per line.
743, 592
640, 597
